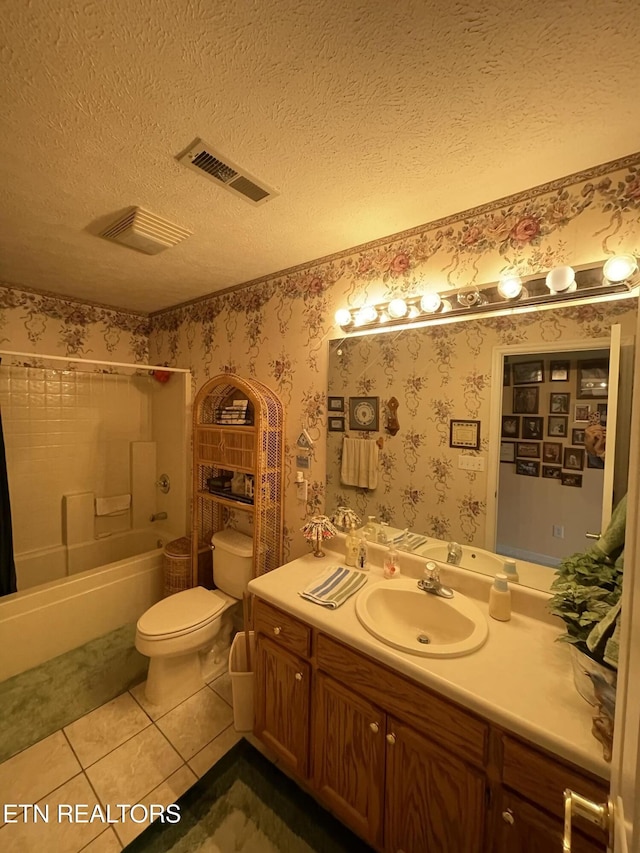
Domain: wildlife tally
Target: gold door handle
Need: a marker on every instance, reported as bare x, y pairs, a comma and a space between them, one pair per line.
298, 676
597, 813
507, 817
375, 728
592, 535
391, 738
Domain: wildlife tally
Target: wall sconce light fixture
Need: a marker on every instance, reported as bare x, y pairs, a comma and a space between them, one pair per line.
618, 275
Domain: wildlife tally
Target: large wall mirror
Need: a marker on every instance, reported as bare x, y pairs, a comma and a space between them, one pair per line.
458, 372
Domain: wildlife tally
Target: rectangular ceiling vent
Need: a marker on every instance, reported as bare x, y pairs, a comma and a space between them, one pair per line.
205, 160
145, 232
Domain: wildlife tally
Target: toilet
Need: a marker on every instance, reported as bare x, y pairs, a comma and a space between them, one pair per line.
177, 634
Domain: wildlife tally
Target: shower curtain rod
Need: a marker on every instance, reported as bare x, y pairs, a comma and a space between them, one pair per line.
95, 361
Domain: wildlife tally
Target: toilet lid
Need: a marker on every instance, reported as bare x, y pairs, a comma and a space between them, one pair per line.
180, 613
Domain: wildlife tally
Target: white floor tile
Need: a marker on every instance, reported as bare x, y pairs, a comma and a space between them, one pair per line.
101, 731
135, 768
165, 794
196, 722
222, 687
106, 842
213, 752
157, 711
38, 770
60, 835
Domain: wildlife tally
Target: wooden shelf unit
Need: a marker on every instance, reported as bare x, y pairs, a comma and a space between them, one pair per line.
256, 448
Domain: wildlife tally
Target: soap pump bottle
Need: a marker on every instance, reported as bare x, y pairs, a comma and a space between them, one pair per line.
351, 546
500, 599
391, 568
369, 530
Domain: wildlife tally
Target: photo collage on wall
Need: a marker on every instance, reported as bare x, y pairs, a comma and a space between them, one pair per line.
546, 406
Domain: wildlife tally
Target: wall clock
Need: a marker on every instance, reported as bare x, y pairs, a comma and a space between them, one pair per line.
363, 413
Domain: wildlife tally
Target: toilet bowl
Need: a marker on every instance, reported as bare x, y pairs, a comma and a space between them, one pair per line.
177, 633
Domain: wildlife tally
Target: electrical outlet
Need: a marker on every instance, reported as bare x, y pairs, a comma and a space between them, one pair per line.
471, 463
558, 531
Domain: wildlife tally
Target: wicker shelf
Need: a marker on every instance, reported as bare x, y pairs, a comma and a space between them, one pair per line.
256, 449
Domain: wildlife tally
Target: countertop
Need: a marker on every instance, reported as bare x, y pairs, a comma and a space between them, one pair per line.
520, 679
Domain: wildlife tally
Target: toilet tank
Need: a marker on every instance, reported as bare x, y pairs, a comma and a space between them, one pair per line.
232, 561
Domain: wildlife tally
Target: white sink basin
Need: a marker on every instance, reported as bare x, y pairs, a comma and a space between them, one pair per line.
472, 558
405, 617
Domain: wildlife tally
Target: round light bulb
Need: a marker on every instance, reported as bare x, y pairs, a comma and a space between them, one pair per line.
446, 306
510, 286
397, 309
343, 317
560, 279
619, 268
367, 314
430, 302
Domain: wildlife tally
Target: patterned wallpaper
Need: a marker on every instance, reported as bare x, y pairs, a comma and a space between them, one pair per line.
437, 373
277, 328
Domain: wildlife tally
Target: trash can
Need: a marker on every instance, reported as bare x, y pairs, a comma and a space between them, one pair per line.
242, 680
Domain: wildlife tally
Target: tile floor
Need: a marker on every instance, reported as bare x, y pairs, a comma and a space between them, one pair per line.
126, 751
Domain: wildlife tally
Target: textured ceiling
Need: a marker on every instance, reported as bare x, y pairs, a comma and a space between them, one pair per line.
369, 117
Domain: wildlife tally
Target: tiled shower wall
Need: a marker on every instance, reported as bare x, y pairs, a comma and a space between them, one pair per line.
66, 432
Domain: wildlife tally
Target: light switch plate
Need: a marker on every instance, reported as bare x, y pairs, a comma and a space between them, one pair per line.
471, 463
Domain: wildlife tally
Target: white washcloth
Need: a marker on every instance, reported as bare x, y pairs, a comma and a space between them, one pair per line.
359, 463
117, 505
333, 587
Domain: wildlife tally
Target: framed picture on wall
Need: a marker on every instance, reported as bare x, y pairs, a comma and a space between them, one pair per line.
364, 413
594, 461
527, 372
464, 434
507, 451
532, 428
559, 372
510, 426
582, 412
525, 400
573, 458
336, 424
506, 374
557, 426
559, 403
551, 472
528, 450
552, 452
577, 436
602, 411
593, 378
527, 468
574, 480
335, 404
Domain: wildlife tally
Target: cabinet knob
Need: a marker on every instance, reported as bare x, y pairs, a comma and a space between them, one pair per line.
507, 817
391, 738
276, 631
375, 728
298, 676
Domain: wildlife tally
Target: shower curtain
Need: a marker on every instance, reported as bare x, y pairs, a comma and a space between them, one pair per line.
7, 565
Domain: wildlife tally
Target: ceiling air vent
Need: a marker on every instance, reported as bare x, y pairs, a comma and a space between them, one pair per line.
203, 158
145, 232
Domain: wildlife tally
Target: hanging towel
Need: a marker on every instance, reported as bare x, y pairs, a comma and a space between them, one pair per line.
333, 587
117, 505
359, 463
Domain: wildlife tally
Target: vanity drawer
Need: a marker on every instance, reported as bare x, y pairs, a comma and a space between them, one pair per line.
543, 779
283, 628
456, 729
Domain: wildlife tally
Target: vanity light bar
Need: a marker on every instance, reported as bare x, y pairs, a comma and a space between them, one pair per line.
619, 274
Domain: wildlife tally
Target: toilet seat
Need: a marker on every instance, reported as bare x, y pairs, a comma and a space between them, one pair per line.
180, 614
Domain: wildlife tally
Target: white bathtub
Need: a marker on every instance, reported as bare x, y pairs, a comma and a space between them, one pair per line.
34, 568
38, 624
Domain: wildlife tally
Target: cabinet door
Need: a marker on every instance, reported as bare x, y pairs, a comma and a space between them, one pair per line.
434, 802
282, 690
348, 756
523, 828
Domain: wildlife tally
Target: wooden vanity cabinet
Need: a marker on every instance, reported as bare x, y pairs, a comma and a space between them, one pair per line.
404, 768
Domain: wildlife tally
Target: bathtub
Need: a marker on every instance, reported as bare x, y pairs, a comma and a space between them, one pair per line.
34, 568
40, 623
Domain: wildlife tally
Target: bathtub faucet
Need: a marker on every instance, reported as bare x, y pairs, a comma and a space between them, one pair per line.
158, 516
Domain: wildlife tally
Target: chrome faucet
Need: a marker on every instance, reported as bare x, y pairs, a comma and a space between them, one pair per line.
454, 553
431, 582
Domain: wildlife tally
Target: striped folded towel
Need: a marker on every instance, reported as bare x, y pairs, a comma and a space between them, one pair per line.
333, 587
